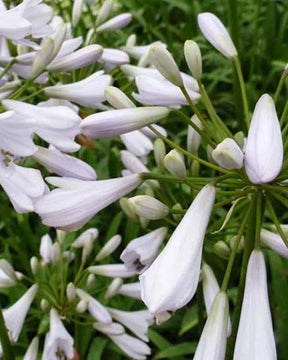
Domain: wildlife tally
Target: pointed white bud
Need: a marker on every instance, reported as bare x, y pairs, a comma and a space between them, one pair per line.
32, 351
34, 264
44, 304
46, 248
109, 247
165, 64
87, 250
132, 290
193, 137
117, 122
177, 217
212, 344
141, 252
264, 147
148, 207
104, 12
184, 249
60, 236
82, 306
109, 329
255, 338
42, 58
87, 235
222, 249
175, 164
131, 41
112, 270
115, 23
71, 292
216, 33
128, 208
117, 98
159, 153
113, 288
90, 281
274, 242
77, 11
55, 254
240, 245
193, 58
228, 154
7, 268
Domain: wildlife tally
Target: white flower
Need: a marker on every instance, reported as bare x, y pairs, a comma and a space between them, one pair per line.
77, 201
136, 321
88, 92
264, 147
137, 143
63, 164
117, 122
87, 235
228, 154
111, 245
5, 280
193, 137
95, 308
148, 207
212, 344
16, 134
164, 285
58, 125
140, 252
104, 12
115, 23
46, 248
32, 351
113, 287
215, 32
133, 347
274, 242
137, 52
109, 329
153, 91
112, 270
57, 339
113, 57
255, 338
132, 290
77, 11
193, 58
22, 185
15, 315
174, 162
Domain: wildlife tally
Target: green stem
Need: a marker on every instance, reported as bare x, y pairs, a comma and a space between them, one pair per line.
279, 87
5, 342
7, 68
276, 221
283, 117
243, 90
259, 217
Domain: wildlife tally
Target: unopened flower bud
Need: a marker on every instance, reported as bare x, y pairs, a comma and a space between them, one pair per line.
177, 217
239, 137
209, 150
131, 41
165, 64
128, 209
113, 288
60, 236
175, 164
195, 167
193, 58
55, 253
117, 22
81, 306
222, 249
148, 207
104, 12
90, 281
159, 153
42, 58
44, 304
7, 268
117, 98
34, 263
87, 250
144, 222
109, 247
77, 11
71, 292
193, 137
228, 154
240, 245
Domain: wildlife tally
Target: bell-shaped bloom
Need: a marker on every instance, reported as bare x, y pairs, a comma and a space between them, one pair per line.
133, 347
58, 125
212, 344
88, 92
77, 60
64, 165
132, 290
193, 137
274, 242
171, 281
152, 91
15, 315
115, 23
95, 308
112, 270
216, 33
77, 201
141, 252
22, 185
32, 351
136, 321
255, 338
111, 245
264, 147
117, 122
46, 248
57, 340
16, 134
228, 154
87, 235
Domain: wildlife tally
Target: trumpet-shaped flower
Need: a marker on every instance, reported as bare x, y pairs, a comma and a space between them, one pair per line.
57, 340
164, 286
132, 290
77, 201
133, 347
274, 242
212, 344
264, 147
216, 33
117, 122
140, 252
255, 338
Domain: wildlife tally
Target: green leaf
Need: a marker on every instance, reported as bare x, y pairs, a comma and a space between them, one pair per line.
177, 350
114, 226
96, 349
157, 339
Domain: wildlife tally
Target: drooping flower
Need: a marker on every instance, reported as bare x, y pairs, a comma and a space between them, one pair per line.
274, 242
